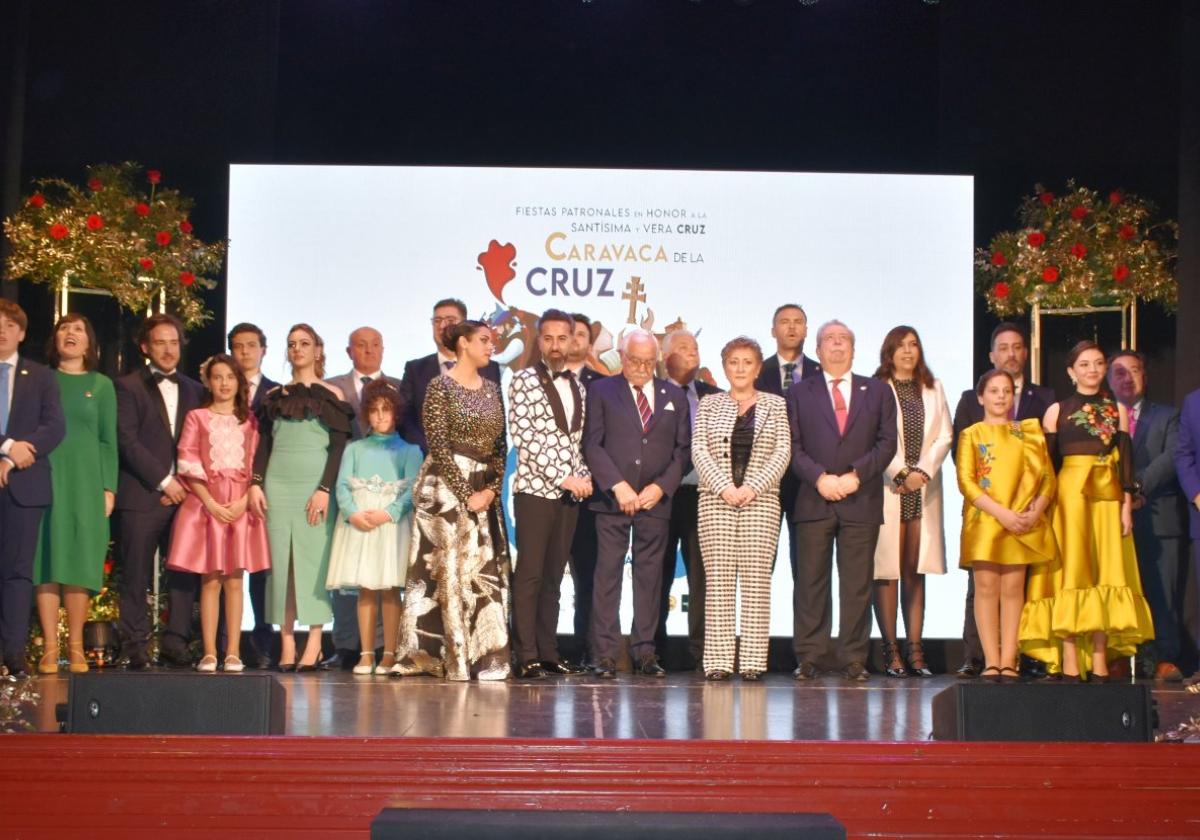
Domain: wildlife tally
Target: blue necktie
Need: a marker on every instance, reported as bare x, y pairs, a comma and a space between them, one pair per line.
4, 367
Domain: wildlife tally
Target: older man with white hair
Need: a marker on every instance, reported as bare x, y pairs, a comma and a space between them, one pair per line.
636, 441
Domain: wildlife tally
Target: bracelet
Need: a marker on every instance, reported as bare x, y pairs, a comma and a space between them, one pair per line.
322, 488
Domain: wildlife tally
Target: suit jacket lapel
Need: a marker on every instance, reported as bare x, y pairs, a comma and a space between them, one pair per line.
661, 400
552, 397
824, 400
156, 397
20, 375
858, 394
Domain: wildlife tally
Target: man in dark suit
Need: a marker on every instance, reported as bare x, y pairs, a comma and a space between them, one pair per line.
418, 373
365, 349
681, 356
1009, 353
248, 346
1158, 512
789, 365
636, 440
843, 435
31, 426
583, 544
1187, 468
151, 405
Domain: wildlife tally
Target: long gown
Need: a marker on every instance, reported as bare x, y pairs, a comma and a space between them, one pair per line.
73, 536
219, 451
304, 431
455, 616
1095, 585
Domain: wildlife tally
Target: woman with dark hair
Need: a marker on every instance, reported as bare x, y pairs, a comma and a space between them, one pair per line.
374, 521
305, 425
1007, 482
214, 535
73, 542
455, 616
1089, 606
912, 541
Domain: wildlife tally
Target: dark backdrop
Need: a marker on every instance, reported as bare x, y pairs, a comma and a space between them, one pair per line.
1012, 92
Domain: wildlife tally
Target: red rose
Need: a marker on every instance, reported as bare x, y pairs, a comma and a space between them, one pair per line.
1000, 290
146, 263
142, 209
108, 566
1120, 272
1114, 198
1126, 232
58, 231
186, 278
1079, 212
1047, 198
163, 238
1050, 274
1036, 239
185, 226
1079, 250
94, 222
95, 184
998, 258
153, 176
37, 200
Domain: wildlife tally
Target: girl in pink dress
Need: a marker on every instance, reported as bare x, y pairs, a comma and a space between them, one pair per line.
214, 535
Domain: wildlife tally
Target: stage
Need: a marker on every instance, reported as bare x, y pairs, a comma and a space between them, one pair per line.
357, 744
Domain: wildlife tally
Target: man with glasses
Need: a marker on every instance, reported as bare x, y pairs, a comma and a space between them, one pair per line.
637, 441
418, 373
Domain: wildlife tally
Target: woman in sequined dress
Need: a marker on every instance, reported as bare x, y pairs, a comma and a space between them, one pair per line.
455, 617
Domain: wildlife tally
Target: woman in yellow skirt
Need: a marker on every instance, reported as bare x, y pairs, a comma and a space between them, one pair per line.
1089, 606
1007, 482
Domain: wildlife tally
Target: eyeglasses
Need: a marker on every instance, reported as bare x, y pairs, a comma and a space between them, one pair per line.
645, 364
445, 321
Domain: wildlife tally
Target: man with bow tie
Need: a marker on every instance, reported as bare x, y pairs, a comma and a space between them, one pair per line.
151, 405
31, 426
637, 441
545, 419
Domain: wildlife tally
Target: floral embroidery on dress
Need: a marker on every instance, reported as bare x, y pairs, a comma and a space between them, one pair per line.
1098, 419
375, 484
983, 465
228, 443
1014, 429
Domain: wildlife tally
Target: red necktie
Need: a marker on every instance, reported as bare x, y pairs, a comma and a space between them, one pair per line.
643, 409
839, 407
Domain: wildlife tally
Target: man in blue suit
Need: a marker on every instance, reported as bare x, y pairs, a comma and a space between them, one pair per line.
637, 438
31, 425
1187, 467
843, 435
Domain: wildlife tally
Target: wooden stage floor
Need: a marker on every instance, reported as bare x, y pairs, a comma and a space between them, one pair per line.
683, 706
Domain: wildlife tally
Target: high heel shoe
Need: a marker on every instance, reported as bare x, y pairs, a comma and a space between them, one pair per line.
307, 668
79, 666
893, 665
364, 670
48, 664
916, 660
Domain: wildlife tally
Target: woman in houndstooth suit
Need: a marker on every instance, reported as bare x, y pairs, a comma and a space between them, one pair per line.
741, 447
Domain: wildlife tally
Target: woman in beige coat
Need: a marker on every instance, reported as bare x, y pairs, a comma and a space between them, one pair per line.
912, 542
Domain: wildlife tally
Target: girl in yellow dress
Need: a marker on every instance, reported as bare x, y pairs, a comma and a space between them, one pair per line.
1089, 606
1007, 482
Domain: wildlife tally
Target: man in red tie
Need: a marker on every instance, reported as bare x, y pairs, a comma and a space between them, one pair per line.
637, 441
843, 435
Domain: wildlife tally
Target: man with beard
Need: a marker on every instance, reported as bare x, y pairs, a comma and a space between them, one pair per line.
545, 419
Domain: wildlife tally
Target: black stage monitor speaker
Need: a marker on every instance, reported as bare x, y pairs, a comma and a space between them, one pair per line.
175, 704
600, 825
1044, 711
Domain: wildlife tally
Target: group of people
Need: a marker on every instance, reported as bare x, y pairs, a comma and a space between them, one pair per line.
375, 502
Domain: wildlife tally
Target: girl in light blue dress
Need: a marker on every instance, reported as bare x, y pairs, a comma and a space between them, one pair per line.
374, 522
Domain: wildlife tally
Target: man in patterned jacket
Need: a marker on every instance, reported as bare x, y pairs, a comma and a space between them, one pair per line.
545, 419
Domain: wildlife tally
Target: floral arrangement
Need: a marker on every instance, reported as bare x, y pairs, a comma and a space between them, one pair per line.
121, 232
1079, 250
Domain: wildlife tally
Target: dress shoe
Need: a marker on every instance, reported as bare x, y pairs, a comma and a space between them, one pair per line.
137, 661
531, 670
648, 666
306, 668
969, 670
1009, 675
340, 660
606, 669
207, 665
286, 667
856, 672
1168, 672
175, 658
233, 665
751, 676
1030, 668
562, 668
805, 671
717, 676
16, 669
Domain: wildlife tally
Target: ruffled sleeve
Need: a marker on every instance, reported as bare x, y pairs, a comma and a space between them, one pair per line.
189, 461
338, 417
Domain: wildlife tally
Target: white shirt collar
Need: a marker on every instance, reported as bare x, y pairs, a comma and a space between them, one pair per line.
829, 377
12, 360
358, 375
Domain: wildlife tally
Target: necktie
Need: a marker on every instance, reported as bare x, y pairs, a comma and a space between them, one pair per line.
789, 375
839, 407
643, 409
366, 380
159, 376
4, 367
1133, 418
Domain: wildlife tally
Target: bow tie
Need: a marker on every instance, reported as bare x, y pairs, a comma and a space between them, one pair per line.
159, 376
563, 374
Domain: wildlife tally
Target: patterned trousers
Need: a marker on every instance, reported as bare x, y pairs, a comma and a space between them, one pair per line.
738, 547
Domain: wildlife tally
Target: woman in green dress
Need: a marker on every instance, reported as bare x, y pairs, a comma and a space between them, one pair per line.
69, 564
305, 425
